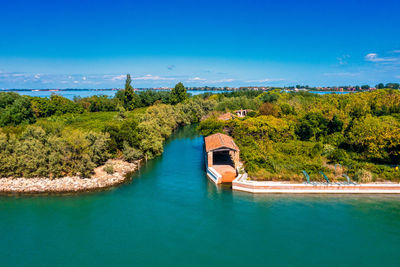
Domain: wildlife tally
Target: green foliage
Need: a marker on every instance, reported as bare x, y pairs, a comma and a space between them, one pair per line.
178, 94
98, 103
269, 109
376, 138
270, 97
312, 126
55, 105
363, 176
130, 153
211, 126
338, 156
160, 120
306, 131
128, 82
36, 153
235, 103
15, 109
109, 168
127, 97
287, 109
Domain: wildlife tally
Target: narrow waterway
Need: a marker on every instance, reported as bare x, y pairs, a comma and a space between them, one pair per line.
170, 214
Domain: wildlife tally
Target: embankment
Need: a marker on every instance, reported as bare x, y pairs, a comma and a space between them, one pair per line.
71, 184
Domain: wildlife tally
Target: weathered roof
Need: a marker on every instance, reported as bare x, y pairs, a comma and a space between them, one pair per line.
226, 116
219, 140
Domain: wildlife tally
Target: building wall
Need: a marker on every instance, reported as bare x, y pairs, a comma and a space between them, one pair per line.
209, 159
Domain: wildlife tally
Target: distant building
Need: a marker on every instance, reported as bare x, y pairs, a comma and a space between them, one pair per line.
242, 112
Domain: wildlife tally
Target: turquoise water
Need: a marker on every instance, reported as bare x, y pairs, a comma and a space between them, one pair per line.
170, 214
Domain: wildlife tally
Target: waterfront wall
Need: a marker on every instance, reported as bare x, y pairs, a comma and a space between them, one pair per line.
213, 175
282, 187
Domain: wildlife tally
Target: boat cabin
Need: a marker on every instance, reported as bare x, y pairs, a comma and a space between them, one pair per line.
222, 158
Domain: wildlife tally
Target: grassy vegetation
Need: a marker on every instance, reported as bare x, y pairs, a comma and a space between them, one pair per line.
91, 121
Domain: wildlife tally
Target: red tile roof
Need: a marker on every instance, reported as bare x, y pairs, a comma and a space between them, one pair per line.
219, 140
226, 116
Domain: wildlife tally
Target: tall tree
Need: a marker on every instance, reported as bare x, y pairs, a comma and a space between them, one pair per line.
127, 96
128, 82
178, 94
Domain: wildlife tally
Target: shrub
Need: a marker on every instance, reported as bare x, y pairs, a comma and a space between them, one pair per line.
363, 176
338, 156
15, 109
109, 168
211, 126
269, 109
131, 153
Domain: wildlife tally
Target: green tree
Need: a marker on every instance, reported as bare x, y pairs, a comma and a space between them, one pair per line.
313, 125
377, 138
380, 86
128, 82
15, 109
128, 98
178, 94
392, 85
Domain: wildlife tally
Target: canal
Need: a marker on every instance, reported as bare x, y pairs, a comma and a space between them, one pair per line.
170, 214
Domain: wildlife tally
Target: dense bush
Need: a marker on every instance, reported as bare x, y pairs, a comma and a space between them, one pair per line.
109, 168
98, 103
55, 105
36, 153
15, 109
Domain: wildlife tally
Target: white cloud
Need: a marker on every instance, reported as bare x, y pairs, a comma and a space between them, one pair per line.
350, 74
264, 80
37, 76
150, 77
343, 59
196, 79
374, 57
84, 78
18, 75
222, 81
118, 78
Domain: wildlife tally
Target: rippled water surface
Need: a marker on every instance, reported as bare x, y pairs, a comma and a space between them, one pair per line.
170, 214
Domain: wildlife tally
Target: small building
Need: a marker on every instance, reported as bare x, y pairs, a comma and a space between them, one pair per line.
222, 158
242, 112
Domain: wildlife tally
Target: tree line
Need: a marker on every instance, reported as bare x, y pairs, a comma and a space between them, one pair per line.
47, 137
17, 109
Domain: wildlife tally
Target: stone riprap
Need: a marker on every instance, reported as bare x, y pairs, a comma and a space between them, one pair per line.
99, 180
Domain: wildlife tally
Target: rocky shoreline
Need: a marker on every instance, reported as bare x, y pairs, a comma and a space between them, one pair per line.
99, 180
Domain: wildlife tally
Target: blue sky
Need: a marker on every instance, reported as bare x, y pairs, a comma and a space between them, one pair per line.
93, 44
